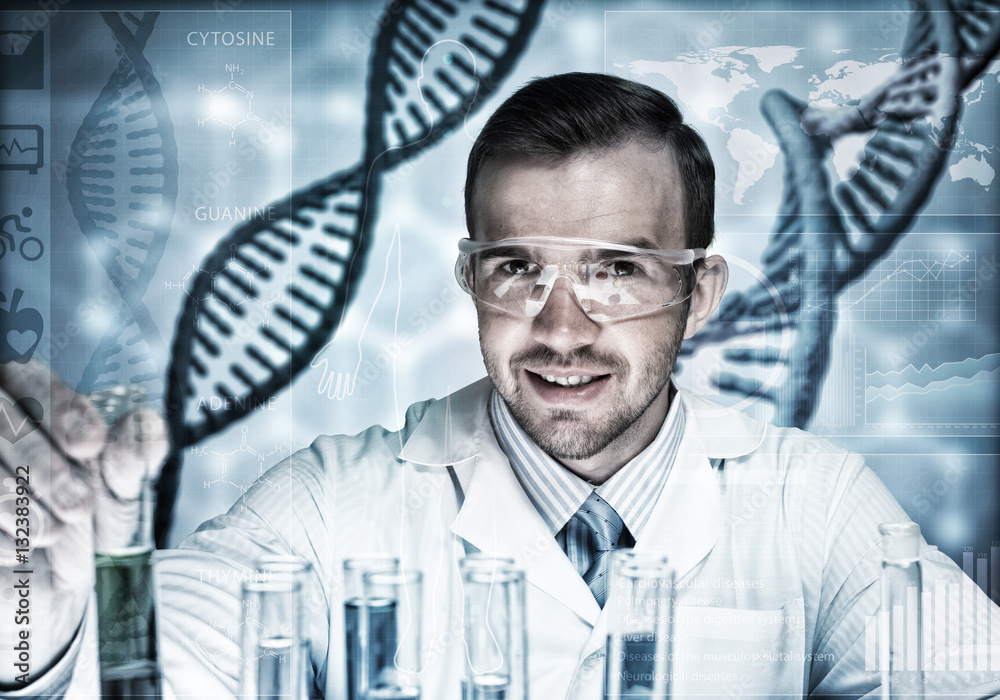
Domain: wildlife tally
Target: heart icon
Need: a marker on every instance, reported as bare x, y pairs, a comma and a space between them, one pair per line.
21, 342
19, 418
18, 325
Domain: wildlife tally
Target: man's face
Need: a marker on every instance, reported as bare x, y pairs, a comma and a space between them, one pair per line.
630, 196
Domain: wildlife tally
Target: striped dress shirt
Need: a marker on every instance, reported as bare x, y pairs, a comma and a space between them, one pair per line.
557, 493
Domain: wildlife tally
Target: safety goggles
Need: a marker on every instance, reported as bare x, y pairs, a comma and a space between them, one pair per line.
611, 281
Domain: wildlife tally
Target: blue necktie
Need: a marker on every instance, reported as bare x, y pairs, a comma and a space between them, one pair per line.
592, 534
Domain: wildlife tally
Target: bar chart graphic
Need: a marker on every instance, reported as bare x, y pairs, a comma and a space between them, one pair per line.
945, 627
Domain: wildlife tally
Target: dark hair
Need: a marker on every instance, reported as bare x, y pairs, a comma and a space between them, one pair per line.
563, 115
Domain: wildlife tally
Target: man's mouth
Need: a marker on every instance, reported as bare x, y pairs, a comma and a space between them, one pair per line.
564, 384
574, 380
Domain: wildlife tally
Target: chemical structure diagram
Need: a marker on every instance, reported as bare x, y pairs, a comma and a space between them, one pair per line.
250, 643
265, 460
234, 634
247, 640
229, 283
231, 105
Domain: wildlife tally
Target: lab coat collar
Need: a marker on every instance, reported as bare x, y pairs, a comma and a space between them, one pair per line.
497, 515
725, 433
450, 430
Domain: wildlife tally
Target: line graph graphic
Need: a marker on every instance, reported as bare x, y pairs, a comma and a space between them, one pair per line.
906, 285
21, 147
951, 391
8, 149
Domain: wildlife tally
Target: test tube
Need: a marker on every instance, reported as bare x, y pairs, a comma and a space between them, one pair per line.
495, 631
288, 567
639, 614
899, 615
123, 546
356, 624
271, 649
392, 608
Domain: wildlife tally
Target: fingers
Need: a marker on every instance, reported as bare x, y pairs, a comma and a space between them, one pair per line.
56, 488
136, 448
120, 524
925, 86
47, 432
67, 418
41, 494
68, 462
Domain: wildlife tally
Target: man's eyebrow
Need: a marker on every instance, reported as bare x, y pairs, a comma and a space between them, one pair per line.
505, 251
642, 242
599, 251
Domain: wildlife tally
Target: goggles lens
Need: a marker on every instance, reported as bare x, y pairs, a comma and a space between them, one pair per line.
611, 281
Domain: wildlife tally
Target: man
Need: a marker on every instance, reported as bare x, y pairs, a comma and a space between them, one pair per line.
589, 206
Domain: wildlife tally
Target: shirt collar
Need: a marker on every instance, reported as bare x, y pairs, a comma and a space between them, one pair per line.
557, 493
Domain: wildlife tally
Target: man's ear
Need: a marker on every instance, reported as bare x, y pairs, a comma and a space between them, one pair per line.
708, 289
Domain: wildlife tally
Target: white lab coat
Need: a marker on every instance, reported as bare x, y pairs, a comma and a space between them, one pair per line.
771, 533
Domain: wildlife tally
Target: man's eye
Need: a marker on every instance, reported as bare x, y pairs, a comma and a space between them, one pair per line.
517, 267
622, 268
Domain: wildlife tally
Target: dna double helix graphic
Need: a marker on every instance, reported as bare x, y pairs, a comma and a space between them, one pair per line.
848, 228
434, 62
126, 137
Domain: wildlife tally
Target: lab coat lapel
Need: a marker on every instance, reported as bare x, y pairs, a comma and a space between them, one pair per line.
688, 516
498, 517
684, 525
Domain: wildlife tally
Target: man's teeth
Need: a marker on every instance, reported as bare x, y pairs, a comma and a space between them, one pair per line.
567, 381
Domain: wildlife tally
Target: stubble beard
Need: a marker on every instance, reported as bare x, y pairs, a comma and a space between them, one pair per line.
566, 433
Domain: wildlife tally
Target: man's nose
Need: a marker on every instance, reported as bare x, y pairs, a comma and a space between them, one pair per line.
562, 324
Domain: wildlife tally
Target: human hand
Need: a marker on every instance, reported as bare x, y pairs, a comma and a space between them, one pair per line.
58, 465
